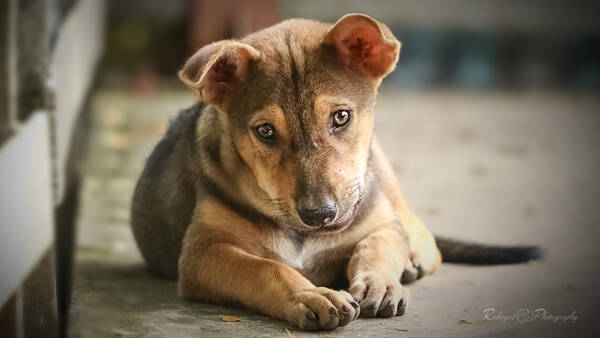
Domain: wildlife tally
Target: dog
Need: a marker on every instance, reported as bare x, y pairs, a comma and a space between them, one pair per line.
273, 194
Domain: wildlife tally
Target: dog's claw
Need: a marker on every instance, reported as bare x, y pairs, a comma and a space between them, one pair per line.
401, 307
420, 269
387, 311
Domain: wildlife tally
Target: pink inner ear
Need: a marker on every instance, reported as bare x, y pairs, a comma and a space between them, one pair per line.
364, 50
358, 48
219, 79
223, 70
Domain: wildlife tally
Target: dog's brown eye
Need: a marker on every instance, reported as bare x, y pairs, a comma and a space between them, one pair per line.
340, 118
265, 131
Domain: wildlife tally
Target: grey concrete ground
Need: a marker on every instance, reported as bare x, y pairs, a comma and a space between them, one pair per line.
495, 168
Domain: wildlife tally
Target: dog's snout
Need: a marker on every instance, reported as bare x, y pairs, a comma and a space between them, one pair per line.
317, 212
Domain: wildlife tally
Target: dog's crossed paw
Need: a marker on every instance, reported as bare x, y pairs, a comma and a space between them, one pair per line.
425, 259
323, 309
379, 296
414, 270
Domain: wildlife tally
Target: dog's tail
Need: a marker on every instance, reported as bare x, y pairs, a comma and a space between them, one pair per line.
454, 251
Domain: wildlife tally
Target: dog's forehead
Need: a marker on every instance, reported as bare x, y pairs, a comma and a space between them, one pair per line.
292, 57
294, 35
295, 71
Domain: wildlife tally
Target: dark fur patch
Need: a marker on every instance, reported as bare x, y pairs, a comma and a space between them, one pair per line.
213, 151
209, 187
160, 213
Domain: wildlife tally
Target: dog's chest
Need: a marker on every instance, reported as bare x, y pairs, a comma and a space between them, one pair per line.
297, 255
318, 260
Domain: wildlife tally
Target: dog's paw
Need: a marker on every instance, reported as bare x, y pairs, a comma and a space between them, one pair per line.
425, 259
323, 309
414, 270
379, 296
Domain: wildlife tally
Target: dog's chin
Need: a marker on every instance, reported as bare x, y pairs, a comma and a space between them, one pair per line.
340, 224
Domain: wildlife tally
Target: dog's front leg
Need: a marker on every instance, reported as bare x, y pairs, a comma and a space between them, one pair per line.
374, 273
223, 273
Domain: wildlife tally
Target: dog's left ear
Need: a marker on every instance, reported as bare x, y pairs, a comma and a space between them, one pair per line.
215, 71
364, 45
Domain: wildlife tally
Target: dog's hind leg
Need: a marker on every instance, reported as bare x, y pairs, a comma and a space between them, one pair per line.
424, 253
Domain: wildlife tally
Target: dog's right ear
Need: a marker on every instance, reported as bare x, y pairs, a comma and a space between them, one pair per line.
216, 70
364, 45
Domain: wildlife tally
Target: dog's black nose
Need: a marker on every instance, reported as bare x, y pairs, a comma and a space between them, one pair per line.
317, 212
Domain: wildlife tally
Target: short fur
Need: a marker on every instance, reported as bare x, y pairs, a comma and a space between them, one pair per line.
219, 208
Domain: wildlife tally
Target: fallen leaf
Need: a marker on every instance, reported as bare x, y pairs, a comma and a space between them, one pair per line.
480, 321
120, 332
462, 321
230, 319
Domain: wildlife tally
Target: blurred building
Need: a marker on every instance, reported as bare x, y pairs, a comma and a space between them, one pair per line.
470, 44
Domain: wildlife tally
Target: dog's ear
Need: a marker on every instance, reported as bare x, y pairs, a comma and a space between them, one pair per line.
217, 69
364, 45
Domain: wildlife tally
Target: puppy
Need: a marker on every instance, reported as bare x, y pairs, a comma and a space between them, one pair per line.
273, 193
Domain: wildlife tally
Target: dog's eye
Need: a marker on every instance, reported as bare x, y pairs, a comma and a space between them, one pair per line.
341, 118
265, 131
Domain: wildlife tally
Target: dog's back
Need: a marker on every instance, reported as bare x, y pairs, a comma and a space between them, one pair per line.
165, 196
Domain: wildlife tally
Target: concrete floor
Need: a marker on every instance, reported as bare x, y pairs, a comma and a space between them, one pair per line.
489, 167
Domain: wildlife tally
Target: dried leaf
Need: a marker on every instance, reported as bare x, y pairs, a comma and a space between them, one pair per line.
462, 321
230, 319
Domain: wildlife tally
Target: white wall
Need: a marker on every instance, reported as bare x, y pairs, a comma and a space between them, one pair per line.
26, 210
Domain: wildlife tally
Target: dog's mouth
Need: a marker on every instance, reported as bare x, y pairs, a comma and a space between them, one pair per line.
344, 221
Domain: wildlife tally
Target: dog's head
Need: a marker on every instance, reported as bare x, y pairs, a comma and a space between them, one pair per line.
297, 101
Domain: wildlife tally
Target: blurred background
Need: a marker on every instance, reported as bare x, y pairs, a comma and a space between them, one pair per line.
491, 121
510, 45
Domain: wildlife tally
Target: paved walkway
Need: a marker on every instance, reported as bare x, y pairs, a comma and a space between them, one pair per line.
497, 168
